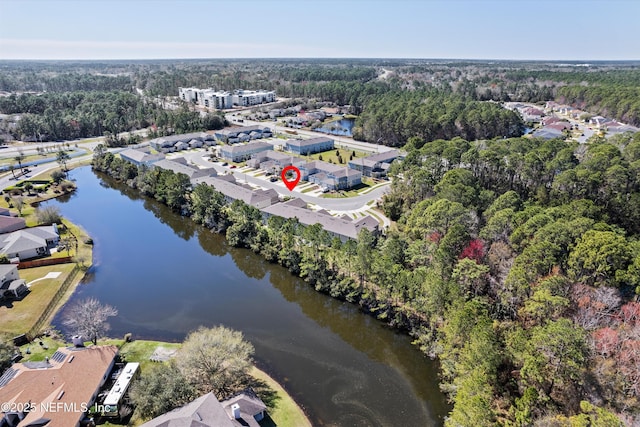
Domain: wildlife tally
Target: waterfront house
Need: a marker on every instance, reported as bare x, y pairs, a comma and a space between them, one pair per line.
61, 388
244, 409
342, 227
30, 242
140, 156
231, 191
179, 165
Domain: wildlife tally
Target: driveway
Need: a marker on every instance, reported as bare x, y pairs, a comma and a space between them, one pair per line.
343, 204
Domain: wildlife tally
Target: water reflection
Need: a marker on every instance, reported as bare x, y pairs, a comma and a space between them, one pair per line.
167, 275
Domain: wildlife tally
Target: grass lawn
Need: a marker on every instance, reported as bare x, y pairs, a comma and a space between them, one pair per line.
141, 350
17, 317
355, 191
330, 156
286, 412
25, 159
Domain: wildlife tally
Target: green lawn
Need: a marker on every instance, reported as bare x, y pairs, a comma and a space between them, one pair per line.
17, 317
286, 412
331, 156
140, 351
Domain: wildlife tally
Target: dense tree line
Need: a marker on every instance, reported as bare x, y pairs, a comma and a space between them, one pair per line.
614, 101
71, 115
394, 117
31, 81
523, 283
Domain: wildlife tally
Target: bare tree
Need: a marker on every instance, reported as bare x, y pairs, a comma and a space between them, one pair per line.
88, 318
18, 202
48, 215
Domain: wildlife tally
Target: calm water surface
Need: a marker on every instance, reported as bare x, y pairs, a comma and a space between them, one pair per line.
167, 276
342, 127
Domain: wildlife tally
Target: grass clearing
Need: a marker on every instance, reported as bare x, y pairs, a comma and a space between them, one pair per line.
141, 350
286, 412
17, 317
331, 156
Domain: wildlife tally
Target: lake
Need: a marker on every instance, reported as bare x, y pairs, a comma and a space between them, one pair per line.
340, 127
167, 276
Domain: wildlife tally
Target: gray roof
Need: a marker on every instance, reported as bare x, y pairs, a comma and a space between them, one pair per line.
371, 161
172, 139
337, 225
242, 129
237, 192
322, 166
179, 166
140, 156
308, 142
205, 411
246, 148
6, 269
27, 239
250, 406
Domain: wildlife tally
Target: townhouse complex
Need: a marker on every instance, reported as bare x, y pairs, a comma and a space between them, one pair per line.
269, 202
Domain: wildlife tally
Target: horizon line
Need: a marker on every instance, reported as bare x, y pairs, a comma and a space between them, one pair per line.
580, 60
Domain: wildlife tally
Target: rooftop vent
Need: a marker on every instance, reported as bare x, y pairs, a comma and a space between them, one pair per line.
235, 410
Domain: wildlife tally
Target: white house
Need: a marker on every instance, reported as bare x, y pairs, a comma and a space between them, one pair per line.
30, 242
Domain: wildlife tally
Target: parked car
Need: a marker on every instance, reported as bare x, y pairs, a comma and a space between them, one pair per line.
233, 166
225, 164
273, 178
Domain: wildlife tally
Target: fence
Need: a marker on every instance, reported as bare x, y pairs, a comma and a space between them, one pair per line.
45, 261
37, 327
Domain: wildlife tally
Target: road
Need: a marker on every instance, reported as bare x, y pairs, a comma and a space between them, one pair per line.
332, 204
339, 140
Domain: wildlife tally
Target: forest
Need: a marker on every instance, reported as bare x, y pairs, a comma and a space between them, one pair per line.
515, 262
427, 98
72, 115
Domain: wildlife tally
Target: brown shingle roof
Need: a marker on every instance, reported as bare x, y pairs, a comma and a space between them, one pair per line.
73, 382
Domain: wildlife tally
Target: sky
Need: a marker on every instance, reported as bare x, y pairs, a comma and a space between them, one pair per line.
456, 29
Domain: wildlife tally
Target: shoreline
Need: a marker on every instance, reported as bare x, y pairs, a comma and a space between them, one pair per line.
285, 413
291, 415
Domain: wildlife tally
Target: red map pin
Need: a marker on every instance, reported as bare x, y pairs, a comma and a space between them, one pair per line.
290, 183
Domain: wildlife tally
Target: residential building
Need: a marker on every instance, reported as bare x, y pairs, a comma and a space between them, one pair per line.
231, 191
342, 227
246, 98
245, 409
547, 133
330, 176
61, 388
171, 143
179, 165
10, 283
273, 161
140, 156
11, 223
375, 165
237, 134
239, 153
220, 100
30, 242
309, 146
